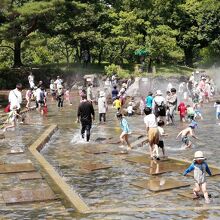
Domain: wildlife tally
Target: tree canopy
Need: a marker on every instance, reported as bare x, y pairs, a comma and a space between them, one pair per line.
122, 31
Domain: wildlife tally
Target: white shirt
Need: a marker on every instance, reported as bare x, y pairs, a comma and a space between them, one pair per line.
37, 93
58, 82
52, 86
217, 106
102, 105
15, 98
158, 100
130, 109
161, 133
150, 121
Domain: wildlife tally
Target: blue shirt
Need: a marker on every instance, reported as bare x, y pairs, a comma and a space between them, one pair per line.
149, 101
124, 126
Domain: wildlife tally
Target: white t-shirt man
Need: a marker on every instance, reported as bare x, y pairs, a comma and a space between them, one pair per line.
15, 98
150, 121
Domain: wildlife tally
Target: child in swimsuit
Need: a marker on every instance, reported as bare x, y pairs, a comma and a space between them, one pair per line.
185, 133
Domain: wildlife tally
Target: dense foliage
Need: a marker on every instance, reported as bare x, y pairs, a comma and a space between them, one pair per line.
66, 31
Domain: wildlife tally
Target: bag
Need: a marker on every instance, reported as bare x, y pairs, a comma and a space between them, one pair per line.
7, 108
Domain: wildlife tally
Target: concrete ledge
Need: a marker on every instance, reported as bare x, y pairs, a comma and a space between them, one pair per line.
74, 199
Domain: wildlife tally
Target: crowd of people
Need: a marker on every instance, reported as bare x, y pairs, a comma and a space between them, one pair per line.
159, 110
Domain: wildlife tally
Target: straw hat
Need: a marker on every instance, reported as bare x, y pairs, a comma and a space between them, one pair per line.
158, 92
199, 156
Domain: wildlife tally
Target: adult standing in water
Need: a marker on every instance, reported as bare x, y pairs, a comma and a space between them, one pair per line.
172, 103
31, 80
15, 97
85, 115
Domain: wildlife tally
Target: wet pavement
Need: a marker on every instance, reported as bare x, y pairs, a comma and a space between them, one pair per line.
112, 187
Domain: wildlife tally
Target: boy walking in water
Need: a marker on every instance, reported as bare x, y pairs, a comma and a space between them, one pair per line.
189, 131
125, 130
161, 135
200, 168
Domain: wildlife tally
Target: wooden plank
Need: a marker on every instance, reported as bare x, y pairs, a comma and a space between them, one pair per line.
29, 176
24, 196
162, 184
16, 168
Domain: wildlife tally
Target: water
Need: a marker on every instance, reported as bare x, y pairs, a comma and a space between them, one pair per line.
110, 188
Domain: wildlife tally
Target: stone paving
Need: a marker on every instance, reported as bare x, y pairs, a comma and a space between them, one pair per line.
107, 191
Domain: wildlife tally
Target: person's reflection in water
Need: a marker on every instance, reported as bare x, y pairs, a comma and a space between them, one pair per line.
154, 167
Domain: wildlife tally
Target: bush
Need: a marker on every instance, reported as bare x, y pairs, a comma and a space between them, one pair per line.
116, 69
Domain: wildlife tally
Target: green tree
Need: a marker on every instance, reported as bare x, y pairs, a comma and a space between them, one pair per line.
20, 19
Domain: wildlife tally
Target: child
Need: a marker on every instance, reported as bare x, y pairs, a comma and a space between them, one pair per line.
198, 112
12, 119
200, 168
142, 105
168, 116
149, 100
28, 97
217, 106
125, 130
182, 111
130, 109
117, 104
190, 113
67, 96
161, 134
102, 107
189, 131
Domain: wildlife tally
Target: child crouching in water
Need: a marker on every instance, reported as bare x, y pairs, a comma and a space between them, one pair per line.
12, 119
200, 168
125, 130
189, 131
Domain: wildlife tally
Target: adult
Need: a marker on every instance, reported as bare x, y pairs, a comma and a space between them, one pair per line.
85, 115
102, 107
60, 95
58, 81
52, 89
31, 80
15, 97
172, 103
158, 106
114, 93
152, 132
41, 99
89, 93
169, 86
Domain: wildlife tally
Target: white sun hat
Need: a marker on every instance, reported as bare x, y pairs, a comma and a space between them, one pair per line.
199, 156
158, 92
